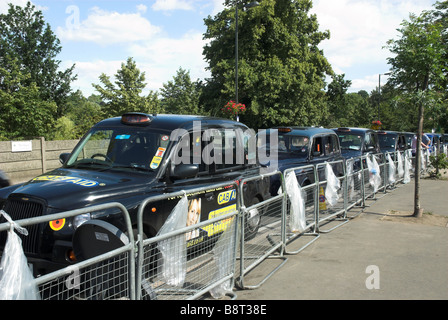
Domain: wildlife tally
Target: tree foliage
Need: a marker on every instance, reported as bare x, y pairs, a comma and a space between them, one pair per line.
418, 71
181, 95
281, 69
125, 94
26, 38
23, 112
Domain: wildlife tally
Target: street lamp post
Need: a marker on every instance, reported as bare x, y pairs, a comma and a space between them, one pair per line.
248, 6
379, 91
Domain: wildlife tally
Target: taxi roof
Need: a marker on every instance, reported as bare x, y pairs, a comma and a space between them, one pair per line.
304, 131
353, 129
171, 121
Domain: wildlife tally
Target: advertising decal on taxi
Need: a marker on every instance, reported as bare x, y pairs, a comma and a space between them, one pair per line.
74, 180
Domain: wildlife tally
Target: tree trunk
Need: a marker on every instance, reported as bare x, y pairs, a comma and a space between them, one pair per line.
418, 211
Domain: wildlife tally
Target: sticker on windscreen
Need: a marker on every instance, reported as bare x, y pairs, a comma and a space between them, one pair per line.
155, 162
123, 136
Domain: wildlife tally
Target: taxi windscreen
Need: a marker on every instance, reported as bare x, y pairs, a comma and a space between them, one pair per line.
129, 148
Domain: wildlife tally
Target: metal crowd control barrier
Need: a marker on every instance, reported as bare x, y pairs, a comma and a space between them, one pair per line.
213, 267
254, 249
325, 210
355, 182
310, 194
105, 277
183, 273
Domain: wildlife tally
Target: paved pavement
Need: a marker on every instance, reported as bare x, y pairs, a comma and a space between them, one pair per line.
381, 253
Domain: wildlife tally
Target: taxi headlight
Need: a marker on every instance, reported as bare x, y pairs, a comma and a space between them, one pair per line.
80, 219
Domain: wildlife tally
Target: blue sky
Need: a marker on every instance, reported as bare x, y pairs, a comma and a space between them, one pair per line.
163, 35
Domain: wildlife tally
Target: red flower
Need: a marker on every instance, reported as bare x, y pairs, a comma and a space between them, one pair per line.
234, 108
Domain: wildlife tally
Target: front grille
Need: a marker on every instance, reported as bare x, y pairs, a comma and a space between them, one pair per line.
22, 209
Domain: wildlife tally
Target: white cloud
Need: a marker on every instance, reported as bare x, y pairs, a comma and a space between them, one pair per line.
109, 27
162, 57
359, 31
89, 72
167, 5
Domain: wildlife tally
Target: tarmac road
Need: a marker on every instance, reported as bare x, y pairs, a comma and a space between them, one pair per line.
381, 253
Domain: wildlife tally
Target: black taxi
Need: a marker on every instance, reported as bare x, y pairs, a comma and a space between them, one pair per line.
128, 159
392, 141
303, 146
358, 142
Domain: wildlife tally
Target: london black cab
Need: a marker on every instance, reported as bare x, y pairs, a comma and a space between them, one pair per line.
356, 142
302, 146
128, 159
392, 141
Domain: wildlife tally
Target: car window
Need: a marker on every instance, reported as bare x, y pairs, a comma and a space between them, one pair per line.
120, 149
331, 145
189, 151
370, 141
317, 147
292, 146
228, 149
350, 141
387, 141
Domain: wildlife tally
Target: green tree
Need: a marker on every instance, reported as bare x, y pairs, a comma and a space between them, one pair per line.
25, 36
362, 111
23, 112
125, 94
281, 69
340, 112
181, 95
83, 112
418, 71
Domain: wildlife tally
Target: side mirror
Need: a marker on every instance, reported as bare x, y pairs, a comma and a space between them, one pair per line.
183, 171
63, 157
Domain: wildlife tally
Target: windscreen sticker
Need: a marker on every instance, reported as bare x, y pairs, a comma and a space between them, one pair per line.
74, 180
155, 162
165, 138
160, 152
123, 136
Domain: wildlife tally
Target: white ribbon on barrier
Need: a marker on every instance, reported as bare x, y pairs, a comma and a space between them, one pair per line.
400, 169
16, 278
174, 249
297, 221
333, 185
391, 172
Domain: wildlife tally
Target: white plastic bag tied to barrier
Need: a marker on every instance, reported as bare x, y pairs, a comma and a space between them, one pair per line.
333, 185
16, 278
391, 171
297, 222
407, 169
223, 254
350, 180
174, 249
400, 166
423, 159
374, 172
